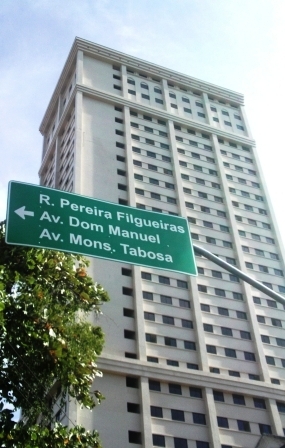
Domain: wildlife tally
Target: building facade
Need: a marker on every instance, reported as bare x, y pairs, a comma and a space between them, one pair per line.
189, 362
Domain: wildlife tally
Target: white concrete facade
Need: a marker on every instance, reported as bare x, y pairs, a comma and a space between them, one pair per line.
188, 362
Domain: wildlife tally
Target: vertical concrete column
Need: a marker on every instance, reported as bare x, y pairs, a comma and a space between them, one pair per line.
276, 423
246, 288
145, 413
207, 108
212, 419
245, 120
79, 67
201, 345
124, 77
137, 287
78, 144
165, 93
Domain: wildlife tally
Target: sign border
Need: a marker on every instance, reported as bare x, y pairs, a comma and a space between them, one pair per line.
97, 256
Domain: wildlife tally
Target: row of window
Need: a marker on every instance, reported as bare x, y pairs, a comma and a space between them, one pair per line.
169, 320
203, 195
260, 253
209, 210
227, 331
167, 300
233, 145
261, 268
149, 141
201, 181
211, 240
154, 181
151, 167
151, 154
249, 208
246, 194
149, 129
221, 310
211, 225
243, 181
164, 280
192, 143
199, 168
253, 222
195, 155
236, 156
270, 303
148, 118
256, 237
192, 132
240, 169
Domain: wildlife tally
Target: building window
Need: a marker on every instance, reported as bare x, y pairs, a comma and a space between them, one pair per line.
175, 389
218, 395
180, 443
132, 382
184, 303
186, 323
152, 359
220, 292
195, 392
189, 345
222, 422
243, 425
214, 370
270, 360
147, 295
264, 429
171, 342
245, 335
259, 403
226, 331
154, 385
177, 415
223, 311
173, 363
276, 322
128, 334
208, 328
149, 316
230, 353
199, 419
127, 312
234, 373
205, 307
164, 280
211, 349
168, 320
248, 356
151, 338
239, 399
156, 411
182, 284
158, 440
135, 437
133, 407
241, 315
166, 299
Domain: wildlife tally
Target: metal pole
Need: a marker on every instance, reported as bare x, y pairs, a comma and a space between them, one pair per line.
228, 267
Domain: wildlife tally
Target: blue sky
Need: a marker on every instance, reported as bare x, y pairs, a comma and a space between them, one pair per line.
238, 44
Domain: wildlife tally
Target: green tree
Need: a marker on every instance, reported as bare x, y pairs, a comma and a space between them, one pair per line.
47, 345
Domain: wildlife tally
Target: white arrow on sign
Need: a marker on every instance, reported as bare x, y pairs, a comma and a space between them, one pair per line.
22, 212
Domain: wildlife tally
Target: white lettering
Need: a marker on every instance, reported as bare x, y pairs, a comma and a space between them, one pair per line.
44, 198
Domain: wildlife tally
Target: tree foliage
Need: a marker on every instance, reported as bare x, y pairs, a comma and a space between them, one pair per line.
46, 342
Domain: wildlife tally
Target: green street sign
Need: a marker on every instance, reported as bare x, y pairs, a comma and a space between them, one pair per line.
53, 219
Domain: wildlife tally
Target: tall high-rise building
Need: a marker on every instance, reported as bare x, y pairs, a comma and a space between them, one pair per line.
193, 362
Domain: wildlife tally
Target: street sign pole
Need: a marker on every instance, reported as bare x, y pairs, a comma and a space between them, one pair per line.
47, 218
